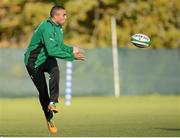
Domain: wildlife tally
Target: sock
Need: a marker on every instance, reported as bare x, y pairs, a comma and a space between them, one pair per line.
51, 103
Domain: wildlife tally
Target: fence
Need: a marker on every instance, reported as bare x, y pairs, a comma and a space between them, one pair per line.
142, 72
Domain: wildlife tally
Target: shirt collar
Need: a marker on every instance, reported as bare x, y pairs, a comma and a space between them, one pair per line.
50, 20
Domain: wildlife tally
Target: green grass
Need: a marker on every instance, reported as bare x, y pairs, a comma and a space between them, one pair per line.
95, 116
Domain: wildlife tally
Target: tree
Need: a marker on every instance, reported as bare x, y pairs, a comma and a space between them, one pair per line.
89, 21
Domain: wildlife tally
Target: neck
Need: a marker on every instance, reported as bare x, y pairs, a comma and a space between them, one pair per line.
54, 20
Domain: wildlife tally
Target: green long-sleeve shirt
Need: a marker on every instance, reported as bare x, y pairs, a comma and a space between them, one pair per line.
47, 41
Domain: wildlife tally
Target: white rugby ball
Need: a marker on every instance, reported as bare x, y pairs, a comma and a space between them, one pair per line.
140, 40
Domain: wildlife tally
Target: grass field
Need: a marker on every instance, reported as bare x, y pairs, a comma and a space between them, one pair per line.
95, 116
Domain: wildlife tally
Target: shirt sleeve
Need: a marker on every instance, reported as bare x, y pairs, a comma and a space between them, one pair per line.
53, 47
67, 48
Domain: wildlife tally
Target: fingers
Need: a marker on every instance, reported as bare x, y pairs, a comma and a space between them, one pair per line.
79, 56
78, 53
75, 49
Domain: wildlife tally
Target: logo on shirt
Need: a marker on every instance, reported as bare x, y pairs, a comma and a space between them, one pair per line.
51, 39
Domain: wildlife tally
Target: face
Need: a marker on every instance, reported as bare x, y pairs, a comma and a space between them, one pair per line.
60, 17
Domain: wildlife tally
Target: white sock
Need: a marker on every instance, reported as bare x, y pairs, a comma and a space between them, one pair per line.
51, 103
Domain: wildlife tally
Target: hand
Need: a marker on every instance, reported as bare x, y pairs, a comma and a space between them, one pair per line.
78, 53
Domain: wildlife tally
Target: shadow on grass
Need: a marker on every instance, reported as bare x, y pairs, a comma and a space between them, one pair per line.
169, 129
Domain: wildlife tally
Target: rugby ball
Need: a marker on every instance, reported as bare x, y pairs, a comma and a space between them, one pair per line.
140, 40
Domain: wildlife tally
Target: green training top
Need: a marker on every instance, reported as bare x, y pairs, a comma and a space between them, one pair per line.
47, 41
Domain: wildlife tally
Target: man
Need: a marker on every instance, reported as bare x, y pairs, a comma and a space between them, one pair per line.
45, 46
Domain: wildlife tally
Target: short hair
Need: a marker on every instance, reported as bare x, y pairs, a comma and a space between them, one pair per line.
54, 9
